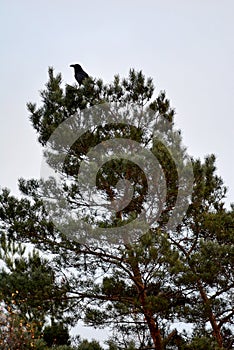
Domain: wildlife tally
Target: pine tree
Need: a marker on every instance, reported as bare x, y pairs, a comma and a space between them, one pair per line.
180, 268
29, 293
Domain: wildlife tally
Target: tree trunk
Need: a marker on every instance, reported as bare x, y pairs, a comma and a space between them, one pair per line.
147, 311
154, 331
211, 316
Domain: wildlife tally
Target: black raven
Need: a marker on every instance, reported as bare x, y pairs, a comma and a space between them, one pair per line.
80, 74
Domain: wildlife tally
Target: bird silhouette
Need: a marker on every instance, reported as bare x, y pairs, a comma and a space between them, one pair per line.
80, 74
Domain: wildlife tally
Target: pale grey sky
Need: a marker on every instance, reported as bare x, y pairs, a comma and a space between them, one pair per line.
187, 46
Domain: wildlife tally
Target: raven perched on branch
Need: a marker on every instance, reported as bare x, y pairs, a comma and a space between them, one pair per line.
80, 74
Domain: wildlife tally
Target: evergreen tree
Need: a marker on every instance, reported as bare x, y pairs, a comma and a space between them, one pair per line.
89, 345
138, 284
57, 334
29, 293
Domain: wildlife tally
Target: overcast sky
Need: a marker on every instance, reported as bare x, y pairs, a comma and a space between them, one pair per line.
186, 46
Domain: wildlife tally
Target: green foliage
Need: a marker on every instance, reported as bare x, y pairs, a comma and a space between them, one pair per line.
27, 283
57, 334
202, 343
114, 346
89, 345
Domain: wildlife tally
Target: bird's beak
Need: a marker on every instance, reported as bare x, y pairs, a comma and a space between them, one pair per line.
71, 65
